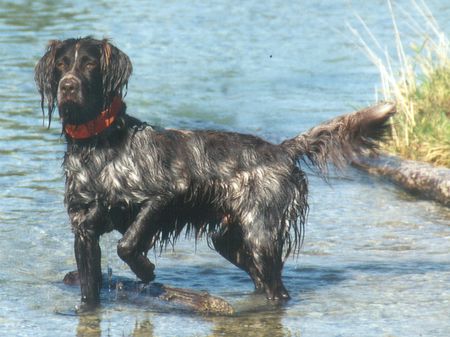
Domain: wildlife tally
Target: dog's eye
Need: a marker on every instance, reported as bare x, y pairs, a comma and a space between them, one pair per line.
90, 65
61, 65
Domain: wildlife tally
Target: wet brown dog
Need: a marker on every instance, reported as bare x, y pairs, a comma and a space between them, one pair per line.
248, 196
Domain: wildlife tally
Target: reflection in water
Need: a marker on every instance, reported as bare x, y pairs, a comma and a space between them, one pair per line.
267, 323
143, 329
89, 325
256, 324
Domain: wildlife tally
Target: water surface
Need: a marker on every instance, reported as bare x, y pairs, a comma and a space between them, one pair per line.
375, 261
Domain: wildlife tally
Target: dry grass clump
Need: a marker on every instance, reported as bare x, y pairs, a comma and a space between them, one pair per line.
419, 84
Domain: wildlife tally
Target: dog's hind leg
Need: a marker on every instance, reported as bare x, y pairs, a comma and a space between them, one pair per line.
133, 245
268, 266
264, 241
230, 245
261, 259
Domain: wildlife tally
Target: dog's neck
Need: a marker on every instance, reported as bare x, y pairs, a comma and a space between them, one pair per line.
96, 126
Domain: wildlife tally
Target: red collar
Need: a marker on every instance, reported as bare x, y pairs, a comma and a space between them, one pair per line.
95, 126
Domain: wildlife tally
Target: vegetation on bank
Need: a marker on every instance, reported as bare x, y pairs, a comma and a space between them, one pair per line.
419, 84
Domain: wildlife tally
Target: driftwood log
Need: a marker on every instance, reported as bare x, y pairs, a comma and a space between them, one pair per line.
185, 299
422, 179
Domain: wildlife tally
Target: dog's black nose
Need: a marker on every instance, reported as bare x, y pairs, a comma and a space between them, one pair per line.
69, 85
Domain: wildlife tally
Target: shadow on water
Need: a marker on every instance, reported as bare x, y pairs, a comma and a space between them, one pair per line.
313, 278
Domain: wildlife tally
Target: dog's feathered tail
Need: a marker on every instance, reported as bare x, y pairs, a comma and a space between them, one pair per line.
342, 139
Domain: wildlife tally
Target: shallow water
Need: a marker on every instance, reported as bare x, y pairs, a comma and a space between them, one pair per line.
375, 262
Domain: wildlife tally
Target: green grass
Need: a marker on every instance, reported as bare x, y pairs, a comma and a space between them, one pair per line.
420, 86
428, 134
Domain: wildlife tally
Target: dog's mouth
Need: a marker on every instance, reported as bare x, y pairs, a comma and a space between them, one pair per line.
72, 112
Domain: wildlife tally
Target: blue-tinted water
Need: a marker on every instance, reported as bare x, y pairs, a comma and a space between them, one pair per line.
375, 262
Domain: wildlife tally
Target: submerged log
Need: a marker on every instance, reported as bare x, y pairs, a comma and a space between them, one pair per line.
198, 301
419, 178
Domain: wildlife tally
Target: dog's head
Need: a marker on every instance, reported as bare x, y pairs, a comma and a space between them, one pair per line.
82, 77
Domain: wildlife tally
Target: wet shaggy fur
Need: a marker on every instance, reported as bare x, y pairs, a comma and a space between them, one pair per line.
246, 195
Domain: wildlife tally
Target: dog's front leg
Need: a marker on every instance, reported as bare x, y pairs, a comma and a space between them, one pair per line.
88, 257
87, 227
133, 245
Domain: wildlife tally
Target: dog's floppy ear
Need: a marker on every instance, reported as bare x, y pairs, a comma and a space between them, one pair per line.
116, 69
44, 75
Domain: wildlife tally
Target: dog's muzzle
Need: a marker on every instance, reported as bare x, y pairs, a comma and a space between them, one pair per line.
69, 89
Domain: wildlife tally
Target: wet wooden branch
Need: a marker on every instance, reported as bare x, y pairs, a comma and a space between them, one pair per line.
419, 178
198, 301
